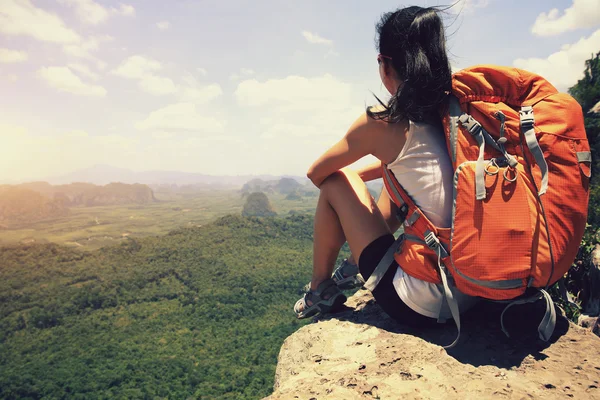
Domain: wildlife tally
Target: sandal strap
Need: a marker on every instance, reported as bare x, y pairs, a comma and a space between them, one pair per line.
324, 287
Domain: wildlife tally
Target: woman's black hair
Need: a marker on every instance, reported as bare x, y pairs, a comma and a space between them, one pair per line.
413, 37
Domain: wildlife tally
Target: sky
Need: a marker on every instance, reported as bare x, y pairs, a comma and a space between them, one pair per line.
232, 87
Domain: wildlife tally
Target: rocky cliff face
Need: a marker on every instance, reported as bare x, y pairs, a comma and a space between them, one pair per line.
360, 353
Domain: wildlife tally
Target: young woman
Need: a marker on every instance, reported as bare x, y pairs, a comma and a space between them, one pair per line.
406, 135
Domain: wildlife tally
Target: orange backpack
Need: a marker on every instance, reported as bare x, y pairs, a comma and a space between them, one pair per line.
521, 163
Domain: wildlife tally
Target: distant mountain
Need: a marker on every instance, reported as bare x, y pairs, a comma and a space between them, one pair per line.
258, 205
104, 174
283, 186
23, 205
98, 175
35, 201
288, 186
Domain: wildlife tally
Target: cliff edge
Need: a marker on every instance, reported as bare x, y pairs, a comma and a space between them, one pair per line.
360, 353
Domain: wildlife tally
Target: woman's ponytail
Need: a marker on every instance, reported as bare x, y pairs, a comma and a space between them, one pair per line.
414, 39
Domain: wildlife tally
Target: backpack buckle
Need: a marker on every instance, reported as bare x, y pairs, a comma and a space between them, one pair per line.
434, 244
431, 240
527, 118
470, 124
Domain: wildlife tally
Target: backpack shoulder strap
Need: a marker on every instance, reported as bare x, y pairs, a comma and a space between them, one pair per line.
426, 233
408, 211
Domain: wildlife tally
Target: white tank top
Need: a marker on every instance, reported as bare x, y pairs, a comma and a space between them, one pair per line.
424, 170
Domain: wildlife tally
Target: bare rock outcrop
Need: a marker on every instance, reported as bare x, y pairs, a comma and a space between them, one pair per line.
360, 353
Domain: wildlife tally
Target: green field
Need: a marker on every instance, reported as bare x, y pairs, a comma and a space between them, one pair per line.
90, 228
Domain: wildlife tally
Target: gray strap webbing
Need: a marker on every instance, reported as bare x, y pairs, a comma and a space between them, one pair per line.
546, 327
434, 244
527, 122
395, 192
414, 238
454, 111
383, 265
412, 219
452, 303
490, 141
476, 130
479, 169
584, 156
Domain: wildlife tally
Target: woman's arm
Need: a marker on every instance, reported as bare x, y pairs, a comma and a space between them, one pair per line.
370, 172
357, 143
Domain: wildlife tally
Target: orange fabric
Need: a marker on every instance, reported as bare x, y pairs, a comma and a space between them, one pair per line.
505, 237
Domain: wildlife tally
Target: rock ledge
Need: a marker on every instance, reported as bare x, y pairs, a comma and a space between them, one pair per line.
360, 353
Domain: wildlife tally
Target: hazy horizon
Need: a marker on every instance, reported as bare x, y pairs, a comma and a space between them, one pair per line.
230, 88
102, 174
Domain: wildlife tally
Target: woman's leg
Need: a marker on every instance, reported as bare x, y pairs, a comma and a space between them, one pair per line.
346, 212
388, 210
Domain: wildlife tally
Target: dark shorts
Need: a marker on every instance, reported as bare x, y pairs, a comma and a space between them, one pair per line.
385, 294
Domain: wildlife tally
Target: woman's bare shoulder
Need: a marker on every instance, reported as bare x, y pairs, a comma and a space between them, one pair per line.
366, 123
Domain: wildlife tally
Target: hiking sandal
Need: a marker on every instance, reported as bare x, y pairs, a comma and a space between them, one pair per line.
326, 298
347, 276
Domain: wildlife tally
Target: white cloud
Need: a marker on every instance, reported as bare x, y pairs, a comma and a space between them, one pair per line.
244, 72
137, 67
157, 85
12, 56
316, 39
125, 10
332, 53
64, 80
294, 91
84, 70
179, 117
306, 114
163, 25
85, 48
189, 79
581, 14
88, 11
91, 13
202, 95
202, 71
565, 67
22, 18
146, 71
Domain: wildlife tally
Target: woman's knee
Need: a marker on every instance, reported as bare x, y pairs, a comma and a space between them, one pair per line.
344, 176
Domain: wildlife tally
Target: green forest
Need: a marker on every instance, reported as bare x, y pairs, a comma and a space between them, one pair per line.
200, 312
